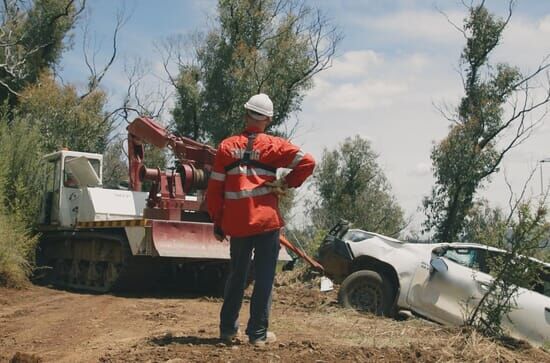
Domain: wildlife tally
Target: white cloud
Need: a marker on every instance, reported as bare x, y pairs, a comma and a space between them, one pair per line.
390, 102
354, 64
544, 24
388, 94
524, 42
365, 80
361, 96
420, 25
421, 169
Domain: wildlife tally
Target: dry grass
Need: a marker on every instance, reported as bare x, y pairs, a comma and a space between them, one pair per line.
383, 337
301, 276
17, 248
416, 337
473, 347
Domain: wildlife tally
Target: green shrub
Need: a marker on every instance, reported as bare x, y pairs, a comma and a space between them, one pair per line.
21, 180
22, 171
17, 247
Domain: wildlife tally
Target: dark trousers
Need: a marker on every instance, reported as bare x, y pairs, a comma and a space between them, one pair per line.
266, 251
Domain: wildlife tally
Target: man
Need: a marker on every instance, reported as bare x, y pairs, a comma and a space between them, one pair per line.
242, 199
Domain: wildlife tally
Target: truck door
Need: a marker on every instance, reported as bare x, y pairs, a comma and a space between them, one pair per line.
530, 319
52, 189
448, 295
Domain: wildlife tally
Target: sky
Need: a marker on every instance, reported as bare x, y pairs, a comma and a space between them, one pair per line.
396, 65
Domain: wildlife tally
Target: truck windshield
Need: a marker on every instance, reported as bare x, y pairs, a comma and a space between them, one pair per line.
68, 178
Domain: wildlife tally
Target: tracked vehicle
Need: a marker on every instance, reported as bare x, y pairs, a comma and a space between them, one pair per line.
100, 239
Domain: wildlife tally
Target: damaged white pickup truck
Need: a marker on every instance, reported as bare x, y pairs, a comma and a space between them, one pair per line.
439, 281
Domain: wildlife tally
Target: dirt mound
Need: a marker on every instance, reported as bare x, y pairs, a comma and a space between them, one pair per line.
305, 298
300, 288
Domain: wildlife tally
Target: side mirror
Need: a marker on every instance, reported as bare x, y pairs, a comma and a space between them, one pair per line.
438, 265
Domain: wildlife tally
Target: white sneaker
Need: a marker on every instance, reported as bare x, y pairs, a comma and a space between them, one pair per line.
270, 337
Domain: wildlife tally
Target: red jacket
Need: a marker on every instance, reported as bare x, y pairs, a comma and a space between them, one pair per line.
237, 199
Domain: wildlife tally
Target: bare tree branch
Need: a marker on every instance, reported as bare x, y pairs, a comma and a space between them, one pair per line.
513, 201
137, 102
96, 76
14, 52
460, 30
67, 11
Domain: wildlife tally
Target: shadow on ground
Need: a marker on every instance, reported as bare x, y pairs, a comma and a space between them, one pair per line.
184, 340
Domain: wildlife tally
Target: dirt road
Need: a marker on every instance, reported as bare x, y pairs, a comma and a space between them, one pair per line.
58, 326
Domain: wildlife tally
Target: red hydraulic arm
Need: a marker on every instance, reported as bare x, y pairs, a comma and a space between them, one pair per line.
167, 195
146, 131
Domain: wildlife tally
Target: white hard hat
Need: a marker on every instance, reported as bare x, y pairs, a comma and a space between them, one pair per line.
261, 104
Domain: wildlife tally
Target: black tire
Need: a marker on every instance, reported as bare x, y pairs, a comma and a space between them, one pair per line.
367, 291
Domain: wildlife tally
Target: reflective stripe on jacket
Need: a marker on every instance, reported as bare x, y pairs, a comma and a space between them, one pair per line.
238, 200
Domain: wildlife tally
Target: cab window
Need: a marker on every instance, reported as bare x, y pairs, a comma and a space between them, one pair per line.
69, 180
539, 280
543, 283
546, 283
467, 257
492, 261
52, 182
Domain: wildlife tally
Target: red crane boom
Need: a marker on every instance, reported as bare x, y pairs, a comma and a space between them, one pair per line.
167, 199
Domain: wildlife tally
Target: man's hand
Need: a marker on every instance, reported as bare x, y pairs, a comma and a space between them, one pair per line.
218, 234
278, 187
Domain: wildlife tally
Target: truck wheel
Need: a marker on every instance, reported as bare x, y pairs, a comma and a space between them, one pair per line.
367, 291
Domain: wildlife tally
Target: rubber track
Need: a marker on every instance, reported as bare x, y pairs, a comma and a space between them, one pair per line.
136, 272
